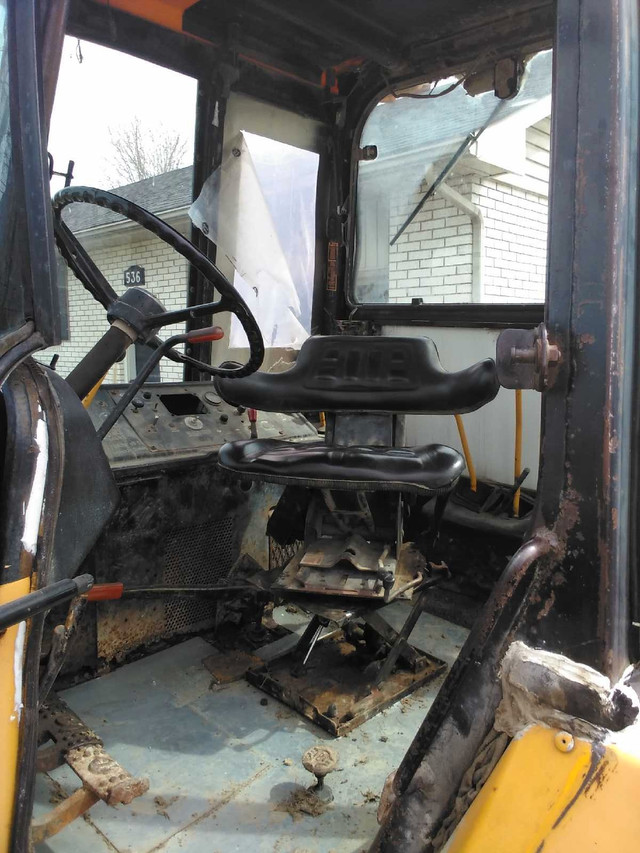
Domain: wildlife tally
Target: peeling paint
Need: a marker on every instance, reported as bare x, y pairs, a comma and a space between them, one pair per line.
18, 655
34, 505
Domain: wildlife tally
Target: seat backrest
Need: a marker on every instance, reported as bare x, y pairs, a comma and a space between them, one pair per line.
348, 373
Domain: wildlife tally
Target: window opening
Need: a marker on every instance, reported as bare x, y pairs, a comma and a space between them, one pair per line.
474, 172
135, 138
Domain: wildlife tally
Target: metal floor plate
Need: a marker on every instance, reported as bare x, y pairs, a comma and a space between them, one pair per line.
222, 766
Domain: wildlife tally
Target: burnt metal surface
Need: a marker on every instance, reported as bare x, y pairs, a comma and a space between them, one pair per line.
334, 691
354, 583
149, 433
182, 527
580, 604
60, 724
461, 715
60, 639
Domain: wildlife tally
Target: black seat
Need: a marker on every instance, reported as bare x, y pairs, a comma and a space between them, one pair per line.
347, 373
338, 508
376, 377
431, 469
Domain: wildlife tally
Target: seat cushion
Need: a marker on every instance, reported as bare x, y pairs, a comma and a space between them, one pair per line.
347, 373
434, 468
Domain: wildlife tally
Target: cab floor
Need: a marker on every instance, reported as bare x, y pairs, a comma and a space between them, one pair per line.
221, 765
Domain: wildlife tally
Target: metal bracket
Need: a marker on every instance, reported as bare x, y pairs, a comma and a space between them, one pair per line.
526, 359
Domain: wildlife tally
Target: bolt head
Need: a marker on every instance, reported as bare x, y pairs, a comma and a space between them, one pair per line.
564, 741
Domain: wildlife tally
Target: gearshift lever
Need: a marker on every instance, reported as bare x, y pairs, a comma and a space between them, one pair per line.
320, 760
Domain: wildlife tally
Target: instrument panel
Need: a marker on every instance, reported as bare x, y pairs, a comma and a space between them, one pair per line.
182, 420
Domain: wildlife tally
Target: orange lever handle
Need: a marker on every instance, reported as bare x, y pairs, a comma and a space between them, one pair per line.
105, 592
201, 336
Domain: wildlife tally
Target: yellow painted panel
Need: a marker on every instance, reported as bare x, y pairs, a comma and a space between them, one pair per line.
9, 717
541, 797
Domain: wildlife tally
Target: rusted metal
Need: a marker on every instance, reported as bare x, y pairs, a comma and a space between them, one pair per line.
230, 666
355, 583
82, 749
62, 635
62, 815
525, 358
102, 775
344, 678
335, 692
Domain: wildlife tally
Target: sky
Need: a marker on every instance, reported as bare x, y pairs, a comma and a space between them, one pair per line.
104, 91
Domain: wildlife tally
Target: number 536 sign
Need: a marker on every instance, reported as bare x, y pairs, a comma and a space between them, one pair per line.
133, 275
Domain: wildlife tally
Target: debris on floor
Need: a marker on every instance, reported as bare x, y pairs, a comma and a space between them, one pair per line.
302, 802
162, 804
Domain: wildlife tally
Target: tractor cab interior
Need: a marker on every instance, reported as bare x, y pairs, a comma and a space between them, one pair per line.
296, 389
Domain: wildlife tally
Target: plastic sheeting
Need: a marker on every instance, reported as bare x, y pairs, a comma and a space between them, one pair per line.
258, 208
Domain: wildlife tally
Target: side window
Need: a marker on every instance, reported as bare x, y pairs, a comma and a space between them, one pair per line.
136, 138
453, 194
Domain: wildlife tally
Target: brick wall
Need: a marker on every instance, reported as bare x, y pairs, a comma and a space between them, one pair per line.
433, 258
515, 242
166, 275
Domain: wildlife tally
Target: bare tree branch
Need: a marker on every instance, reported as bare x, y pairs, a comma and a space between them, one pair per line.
139, 153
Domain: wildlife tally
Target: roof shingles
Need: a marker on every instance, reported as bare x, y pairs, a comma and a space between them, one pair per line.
159, 194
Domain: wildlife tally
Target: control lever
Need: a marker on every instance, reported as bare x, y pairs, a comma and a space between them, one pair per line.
253, 422
196, 336
43, 599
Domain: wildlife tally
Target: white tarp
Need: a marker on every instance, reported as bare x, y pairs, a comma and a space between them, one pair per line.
258, 207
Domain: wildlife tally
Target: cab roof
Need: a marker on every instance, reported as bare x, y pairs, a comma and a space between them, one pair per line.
313, 42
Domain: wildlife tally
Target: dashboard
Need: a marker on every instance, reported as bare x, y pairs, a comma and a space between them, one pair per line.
181, 421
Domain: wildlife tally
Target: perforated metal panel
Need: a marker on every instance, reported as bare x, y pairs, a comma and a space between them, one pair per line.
280, 555
197, 555
200, 554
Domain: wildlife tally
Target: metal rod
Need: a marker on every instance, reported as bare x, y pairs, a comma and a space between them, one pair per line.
42, 600
517, 462
473, 480
471, 137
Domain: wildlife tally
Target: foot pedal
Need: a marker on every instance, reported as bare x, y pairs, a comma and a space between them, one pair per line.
75, 744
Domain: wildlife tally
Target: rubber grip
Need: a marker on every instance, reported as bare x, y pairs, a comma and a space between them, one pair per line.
109, 349
105, 592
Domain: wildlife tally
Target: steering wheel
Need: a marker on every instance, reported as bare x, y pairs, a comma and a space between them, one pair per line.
94, 281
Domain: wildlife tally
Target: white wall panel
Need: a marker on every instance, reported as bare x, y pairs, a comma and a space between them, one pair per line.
490, 430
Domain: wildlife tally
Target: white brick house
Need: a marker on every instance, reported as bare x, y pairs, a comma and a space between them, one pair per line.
482, 237
115, 244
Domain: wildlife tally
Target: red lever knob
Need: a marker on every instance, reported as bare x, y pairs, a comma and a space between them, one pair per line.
201, 336
105, 592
